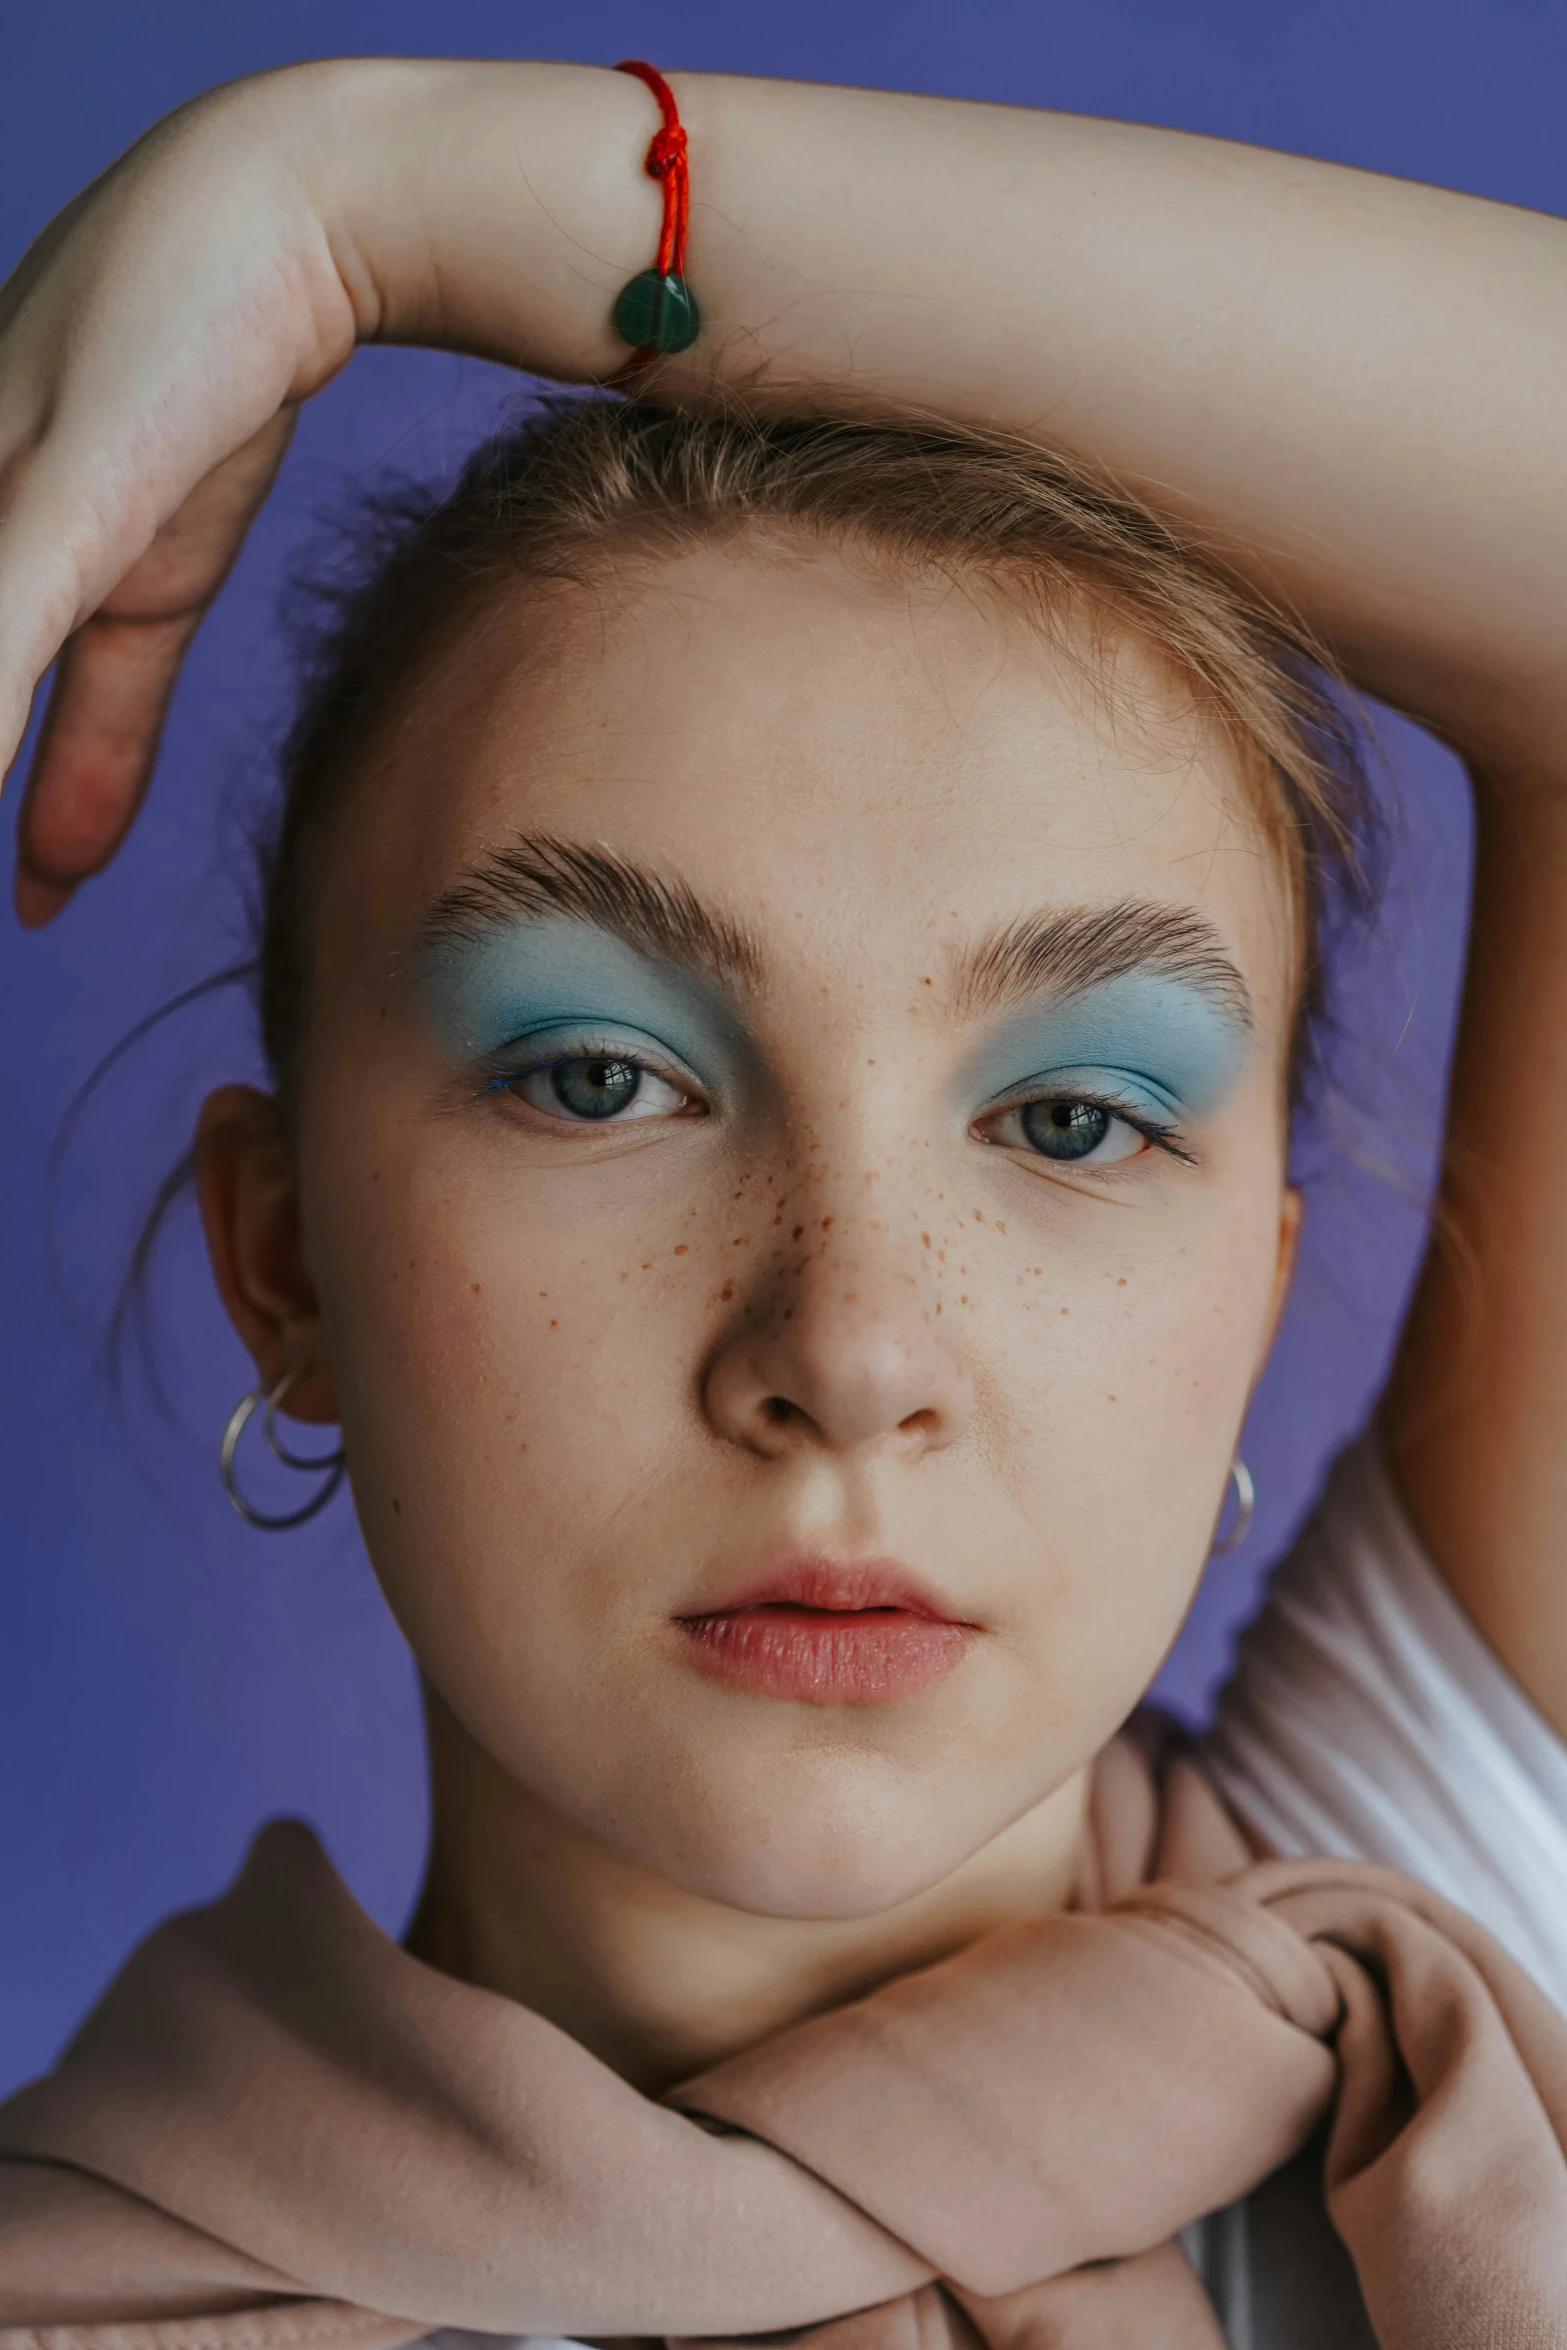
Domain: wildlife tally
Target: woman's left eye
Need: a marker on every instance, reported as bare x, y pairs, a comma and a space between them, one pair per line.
1072, 1131
594, 1089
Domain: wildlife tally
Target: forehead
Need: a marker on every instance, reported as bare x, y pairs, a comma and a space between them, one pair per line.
846, 761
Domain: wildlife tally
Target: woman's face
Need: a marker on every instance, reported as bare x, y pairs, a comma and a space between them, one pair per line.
790, 1158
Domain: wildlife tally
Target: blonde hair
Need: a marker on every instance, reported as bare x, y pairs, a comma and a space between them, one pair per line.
581, 483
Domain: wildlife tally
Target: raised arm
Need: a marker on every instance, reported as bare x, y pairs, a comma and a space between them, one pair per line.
1353, 384
1352, 380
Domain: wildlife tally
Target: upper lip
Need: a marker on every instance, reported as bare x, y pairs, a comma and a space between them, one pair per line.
840, 1586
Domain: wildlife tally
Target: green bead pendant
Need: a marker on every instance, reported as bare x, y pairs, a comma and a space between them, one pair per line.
655, 313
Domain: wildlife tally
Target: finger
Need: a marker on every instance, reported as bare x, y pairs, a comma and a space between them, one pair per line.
116, 675
36, 901
190, 556
95, 754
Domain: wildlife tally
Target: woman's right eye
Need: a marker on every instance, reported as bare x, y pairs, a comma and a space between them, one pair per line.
596, 1089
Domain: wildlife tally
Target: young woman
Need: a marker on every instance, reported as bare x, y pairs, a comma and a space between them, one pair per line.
797, 909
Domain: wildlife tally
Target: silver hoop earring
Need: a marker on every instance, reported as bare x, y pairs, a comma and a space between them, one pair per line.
1245, 1504
330, 1464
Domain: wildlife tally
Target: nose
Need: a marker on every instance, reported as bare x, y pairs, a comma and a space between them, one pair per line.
847, 1351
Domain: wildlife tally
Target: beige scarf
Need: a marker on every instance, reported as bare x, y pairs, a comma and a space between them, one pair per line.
280, 2130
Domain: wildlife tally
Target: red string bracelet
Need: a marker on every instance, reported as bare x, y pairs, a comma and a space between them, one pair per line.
656, 312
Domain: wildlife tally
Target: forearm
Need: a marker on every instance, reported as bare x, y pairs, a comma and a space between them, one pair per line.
1477, 1403
1353, 382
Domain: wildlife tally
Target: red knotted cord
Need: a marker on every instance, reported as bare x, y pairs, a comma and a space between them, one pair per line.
665, 162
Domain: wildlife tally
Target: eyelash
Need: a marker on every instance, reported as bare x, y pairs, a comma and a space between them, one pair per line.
507, 1076
1158, 1133
1162, 1135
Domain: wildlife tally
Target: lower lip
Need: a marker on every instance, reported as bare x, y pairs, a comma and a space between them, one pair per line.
826, 1656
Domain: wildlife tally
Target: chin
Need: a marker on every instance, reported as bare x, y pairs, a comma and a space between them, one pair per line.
846, 1887
846, 1851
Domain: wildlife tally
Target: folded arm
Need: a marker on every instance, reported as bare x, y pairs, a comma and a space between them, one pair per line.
1350, 384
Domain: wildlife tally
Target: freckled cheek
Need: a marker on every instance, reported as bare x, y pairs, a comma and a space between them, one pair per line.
487, 1348
1138, 1291
1116, 1430
1123, 1383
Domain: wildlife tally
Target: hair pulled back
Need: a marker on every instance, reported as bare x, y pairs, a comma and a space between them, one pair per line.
580, 484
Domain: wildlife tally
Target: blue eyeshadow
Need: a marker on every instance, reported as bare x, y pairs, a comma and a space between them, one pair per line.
1171, 1041
541, 973
1172, 1045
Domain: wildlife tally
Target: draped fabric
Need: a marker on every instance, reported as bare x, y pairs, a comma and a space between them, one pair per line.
280, 2129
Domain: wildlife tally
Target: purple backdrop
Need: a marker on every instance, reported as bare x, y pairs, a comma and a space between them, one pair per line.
167, 1678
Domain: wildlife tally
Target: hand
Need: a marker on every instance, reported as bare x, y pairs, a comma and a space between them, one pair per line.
159, 337
1144, 292
154, 345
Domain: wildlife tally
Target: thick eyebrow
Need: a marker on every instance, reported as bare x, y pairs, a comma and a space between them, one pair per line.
540, 875
1064, 952
1057, 954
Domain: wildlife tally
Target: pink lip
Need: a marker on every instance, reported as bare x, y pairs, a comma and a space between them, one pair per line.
829, 1632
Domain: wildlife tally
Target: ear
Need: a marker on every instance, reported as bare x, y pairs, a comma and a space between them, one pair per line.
1292, 1216
250, 1213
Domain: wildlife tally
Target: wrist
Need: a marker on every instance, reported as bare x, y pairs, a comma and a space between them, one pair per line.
492, 207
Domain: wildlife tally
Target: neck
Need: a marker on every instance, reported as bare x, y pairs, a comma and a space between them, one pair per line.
658, 1982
